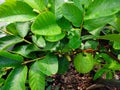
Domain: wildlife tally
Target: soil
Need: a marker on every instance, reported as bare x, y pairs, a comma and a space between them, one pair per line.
72, 80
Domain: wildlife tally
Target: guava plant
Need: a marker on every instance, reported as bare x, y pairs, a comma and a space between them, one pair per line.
41, 37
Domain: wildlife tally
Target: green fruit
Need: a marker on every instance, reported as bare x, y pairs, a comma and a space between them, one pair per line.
83, 63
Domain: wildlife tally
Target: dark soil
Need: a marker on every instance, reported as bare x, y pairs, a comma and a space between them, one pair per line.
72, 80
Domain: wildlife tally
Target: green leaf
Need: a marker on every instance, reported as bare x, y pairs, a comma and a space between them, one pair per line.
111, 37
114, 66
12, 29
91, 44
37, 4
109, 75
10, 60
74, 42
63, 65
106, 57
19, 28
16, 79
1, 81
102, 8
22, 28
99, 73
45, 24
55, 38
26, 50
39, 41
51, 46
49, 65
36, 78
57, 5
78, 3
72, 13
16, 11
116, 45
10, 55
64, 24
93, 24
116, 23
85, 3
8, 41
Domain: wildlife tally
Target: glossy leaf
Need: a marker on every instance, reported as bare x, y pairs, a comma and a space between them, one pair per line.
55, 38
74, 39
16, 11
8, 41
11, 28
102, 8
58, 8
64, 24
51, 46
37, 4
22, 28
16, 79
86, 3
111, 37
26, 50
79, 3
39, 41
10, 55
10, 60
92, 24
49, 65
19, 28
36, 78
45, 24
72, 13
74, 42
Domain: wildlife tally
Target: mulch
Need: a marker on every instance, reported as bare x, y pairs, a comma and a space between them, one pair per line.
72, 80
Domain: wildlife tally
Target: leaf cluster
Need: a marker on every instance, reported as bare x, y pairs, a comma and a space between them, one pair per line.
41, 37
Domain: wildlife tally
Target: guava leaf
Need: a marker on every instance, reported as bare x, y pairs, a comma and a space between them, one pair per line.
25, 50
111, 37
16, 79
22, 28
72, 13
36, 78
39, 41
45, 24
49, 65
8, 41
93, 24
16, 11
102, 8
10, 60
19, 28
55, 38
74, 42
37, 4
10, 55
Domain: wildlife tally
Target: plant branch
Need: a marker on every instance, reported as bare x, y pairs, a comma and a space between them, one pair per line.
27, 41
29, 61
